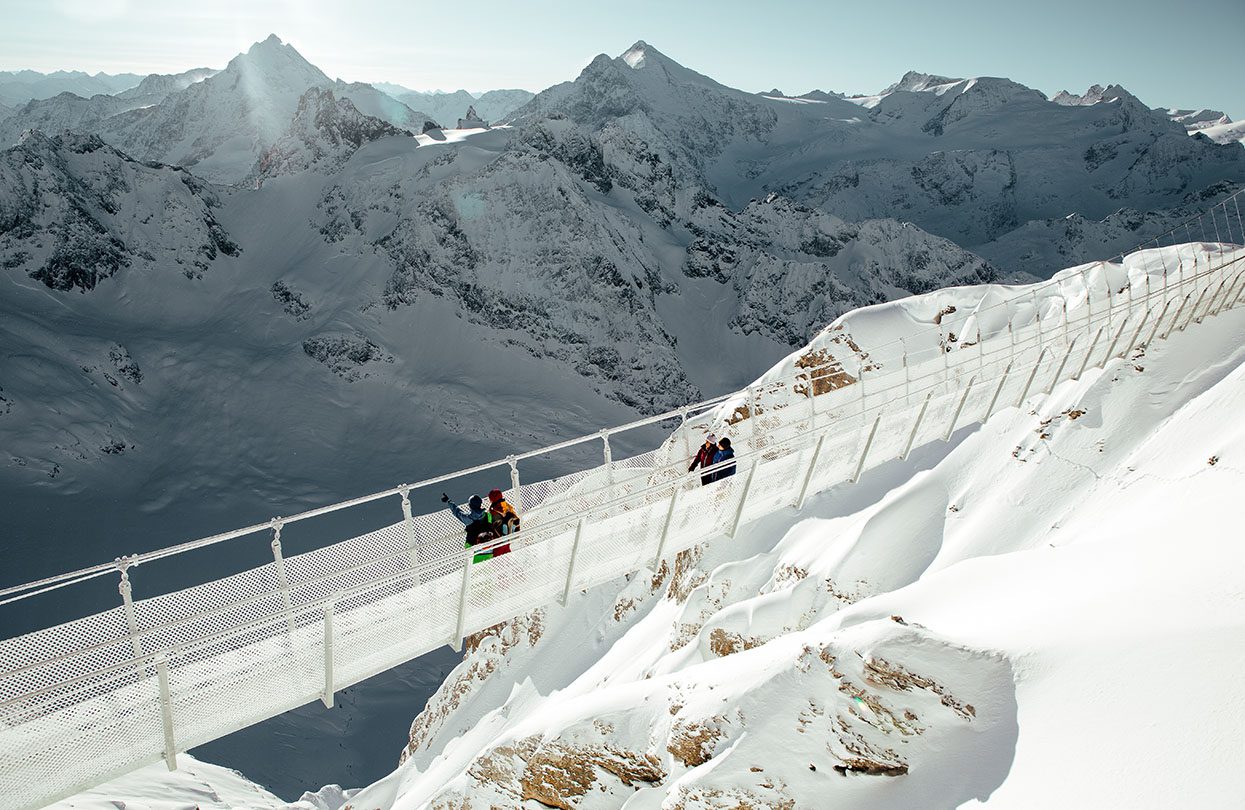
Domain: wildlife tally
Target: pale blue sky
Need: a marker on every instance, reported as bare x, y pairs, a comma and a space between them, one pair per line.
1189, 53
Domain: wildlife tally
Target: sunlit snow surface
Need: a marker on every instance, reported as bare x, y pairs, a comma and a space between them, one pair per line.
1072, 572
1042, 594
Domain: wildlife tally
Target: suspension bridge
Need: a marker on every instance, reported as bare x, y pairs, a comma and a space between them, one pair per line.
97, 697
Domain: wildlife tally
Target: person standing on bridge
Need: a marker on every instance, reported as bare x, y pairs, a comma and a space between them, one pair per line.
723, 454
479, 523
505, 519
704, 458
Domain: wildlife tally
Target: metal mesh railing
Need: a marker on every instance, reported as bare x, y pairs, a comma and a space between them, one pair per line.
92, 698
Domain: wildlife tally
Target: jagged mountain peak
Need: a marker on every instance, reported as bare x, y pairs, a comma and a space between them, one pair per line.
915, 82
324, 133
273, 58
638, 55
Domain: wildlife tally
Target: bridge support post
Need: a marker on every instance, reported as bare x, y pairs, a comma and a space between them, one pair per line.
127, 602
1029, 383
860, 465
1193, 311
997, 391
743, 499
283, 578
456, 641
1210, 305
1115, 341
955, 417
166, 713
920, 416
1059, 371
326, 697
517, 502
570, 567
1176, 317
687, 438
1144, 320
609, 457
1159, 322
808, 476
665, 528
408, 524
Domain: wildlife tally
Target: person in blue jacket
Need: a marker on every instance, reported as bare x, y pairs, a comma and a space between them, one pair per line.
479, 523
724, 453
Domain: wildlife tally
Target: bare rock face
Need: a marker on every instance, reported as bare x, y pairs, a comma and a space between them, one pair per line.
323, 134
75, 211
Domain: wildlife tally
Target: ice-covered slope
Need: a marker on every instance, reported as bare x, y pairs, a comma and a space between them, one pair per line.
952, 630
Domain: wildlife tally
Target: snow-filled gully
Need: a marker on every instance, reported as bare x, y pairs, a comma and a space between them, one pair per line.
90, 699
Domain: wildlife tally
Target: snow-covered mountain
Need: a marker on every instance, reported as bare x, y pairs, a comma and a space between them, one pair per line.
953, 629
157, 86
324, 133
217, 124
447, 107
18, 87
966, 159
392, 307
75, 211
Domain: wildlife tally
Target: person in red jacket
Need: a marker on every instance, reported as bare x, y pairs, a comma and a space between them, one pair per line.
505, 519
704, 458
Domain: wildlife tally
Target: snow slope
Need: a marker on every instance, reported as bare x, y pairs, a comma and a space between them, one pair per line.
950, 631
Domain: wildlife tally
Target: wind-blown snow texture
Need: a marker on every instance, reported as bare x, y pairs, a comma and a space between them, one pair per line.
951, 631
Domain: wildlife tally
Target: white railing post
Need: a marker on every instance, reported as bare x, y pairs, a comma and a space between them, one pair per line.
1159, 322
907, 372
456, 641
665, 527
408, 526
808, 476
1088, 353
743, 499
1059, 371
1028, 382
1210, 305
1144, 320
916, 426
997, 391
283, 578
955, 417
1193, 311
1176, 317
166, 713
860, 465
517, 496
570, 567
127, 601
607, 455
1111, 349
687, 435
326, 696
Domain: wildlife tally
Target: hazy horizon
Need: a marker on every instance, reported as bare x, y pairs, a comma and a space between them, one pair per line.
798, 47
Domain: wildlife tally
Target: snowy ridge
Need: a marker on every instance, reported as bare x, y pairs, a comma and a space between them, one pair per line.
850, 406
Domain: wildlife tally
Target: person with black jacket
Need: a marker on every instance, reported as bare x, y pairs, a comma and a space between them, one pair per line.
704, 458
